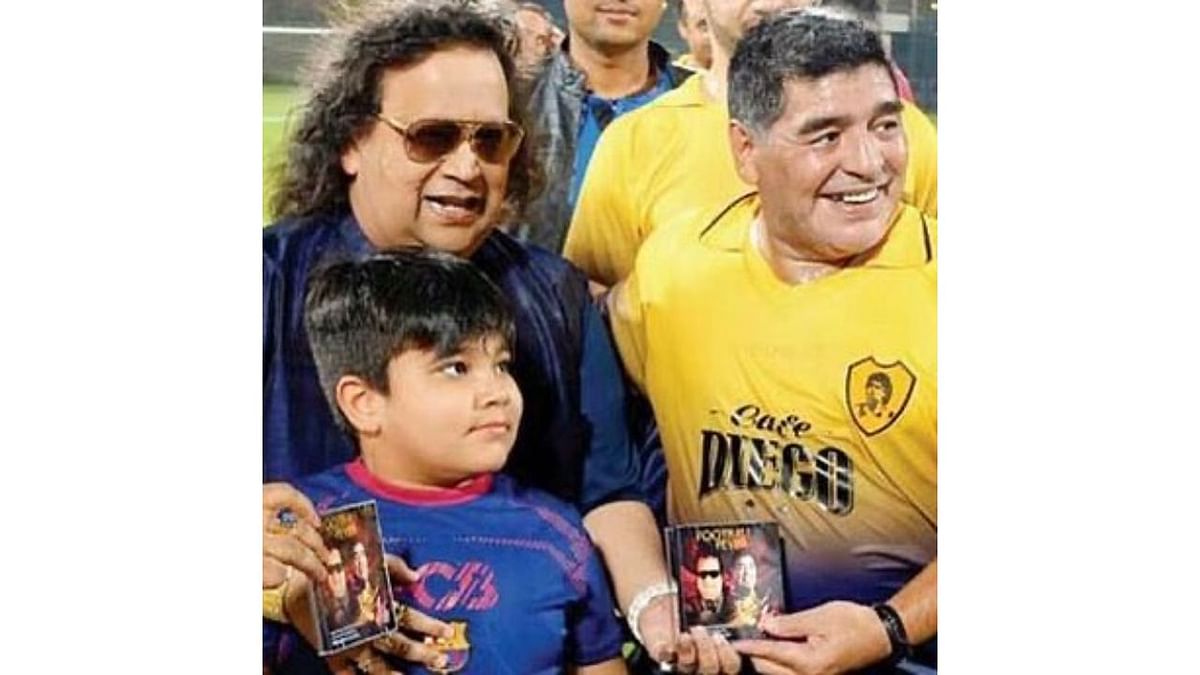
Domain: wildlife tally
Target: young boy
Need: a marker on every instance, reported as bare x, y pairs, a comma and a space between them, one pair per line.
413, 351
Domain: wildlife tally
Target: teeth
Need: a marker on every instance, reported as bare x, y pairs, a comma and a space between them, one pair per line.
451, 210
860, 197
455, 201
466, 203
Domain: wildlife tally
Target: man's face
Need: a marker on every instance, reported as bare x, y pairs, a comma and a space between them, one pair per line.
361, 564
745, 572
537, 38
613, 25
693, 28
337, 574
453, 417
451, 203
831, 169
730, 19
708, 578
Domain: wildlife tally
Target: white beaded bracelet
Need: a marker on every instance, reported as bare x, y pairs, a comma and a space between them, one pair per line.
642, 600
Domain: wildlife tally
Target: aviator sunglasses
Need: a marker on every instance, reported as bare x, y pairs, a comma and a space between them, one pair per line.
427, 141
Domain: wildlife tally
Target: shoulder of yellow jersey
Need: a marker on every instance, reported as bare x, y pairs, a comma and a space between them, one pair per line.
659, 113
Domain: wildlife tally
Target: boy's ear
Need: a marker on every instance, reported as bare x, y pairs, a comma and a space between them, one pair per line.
361, 404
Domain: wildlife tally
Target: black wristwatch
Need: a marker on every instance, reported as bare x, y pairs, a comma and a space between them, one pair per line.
895, 632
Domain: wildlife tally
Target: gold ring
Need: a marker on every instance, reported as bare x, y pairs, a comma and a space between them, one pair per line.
402, 615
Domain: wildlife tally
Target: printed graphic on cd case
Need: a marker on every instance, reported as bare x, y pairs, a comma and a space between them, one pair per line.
354, 605
730, 575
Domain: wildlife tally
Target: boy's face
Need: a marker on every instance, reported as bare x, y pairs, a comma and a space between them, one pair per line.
454, 417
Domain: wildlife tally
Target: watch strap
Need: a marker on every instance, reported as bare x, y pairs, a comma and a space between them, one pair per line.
897, 636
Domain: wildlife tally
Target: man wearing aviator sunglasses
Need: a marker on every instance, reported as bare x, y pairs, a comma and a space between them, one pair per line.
428, 141
412, 136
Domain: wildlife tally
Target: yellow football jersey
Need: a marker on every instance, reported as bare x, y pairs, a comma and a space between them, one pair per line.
671, 160
812, 405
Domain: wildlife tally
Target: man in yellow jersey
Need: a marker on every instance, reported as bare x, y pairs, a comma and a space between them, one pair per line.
788, 346
671, 160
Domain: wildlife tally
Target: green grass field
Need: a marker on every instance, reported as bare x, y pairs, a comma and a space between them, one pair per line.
278, 101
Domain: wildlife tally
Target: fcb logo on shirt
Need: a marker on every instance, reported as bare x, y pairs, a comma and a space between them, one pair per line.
877, 394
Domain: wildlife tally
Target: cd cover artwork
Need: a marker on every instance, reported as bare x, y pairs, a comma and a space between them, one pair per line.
730, 575
354, 605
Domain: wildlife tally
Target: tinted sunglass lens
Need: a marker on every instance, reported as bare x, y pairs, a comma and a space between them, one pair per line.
433, 140
490, 142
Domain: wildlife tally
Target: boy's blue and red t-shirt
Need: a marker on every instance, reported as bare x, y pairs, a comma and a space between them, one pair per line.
514, 563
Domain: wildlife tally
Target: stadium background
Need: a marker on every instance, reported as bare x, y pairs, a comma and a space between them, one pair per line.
292, 27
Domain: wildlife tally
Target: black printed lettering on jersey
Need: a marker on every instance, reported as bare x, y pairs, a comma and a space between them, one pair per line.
737, 469
787, 427
714, 451
762, 463
796, 478
835, 489
731, 461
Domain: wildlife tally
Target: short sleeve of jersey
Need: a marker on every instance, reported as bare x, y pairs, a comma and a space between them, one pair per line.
593, 634
920, 182
626, 317
603, 238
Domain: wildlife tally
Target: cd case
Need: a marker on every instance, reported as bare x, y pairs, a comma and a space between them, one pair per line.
730, 575
354, 605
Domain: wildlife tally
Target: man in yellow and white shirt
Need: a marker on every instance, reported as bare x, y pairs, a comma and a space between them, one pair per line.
670, 160
788, 346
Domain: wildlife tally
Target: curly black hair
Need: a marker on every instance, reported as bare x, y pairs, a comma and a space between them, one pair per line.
344, 93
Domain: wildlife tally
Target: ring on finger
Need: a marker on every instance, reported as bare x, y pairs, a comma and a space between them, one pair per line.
283, 522
402, 615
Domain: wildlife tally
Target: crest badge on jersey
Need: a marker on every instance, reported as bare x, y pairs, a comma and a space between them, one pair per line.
877, 394
456, 648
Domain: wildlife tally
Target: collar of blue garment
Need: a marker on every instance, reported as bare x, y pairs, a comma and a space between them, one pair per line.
660, 60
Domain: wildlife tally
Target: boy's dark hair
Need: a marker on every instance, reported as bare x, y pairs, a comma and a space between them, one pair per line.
793, 45
361, 314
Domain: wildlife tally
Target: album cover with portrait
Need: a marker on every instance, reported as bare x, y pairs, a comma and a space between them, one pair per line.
730, 575
354, 605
